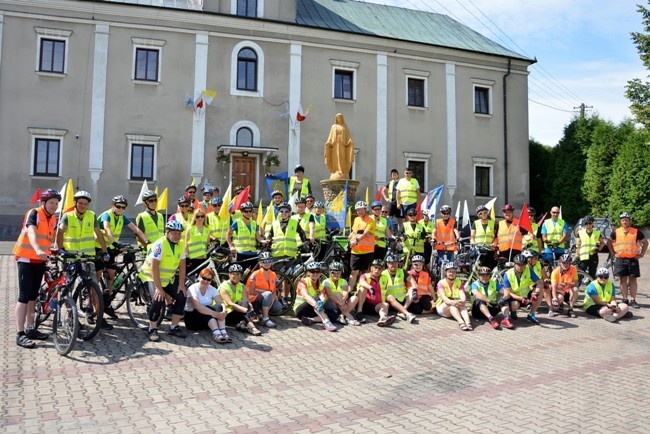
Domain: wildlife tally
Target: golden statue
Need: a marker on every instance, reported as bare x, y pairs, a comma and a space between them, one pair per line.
339, 150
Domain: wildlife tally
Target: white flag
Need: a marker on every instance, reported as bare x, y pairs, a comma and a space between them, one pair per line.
142, 190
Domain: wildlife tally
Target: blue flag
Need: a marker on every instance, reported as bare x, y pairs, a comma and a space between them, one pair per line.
277, 182
433, 199
335, 216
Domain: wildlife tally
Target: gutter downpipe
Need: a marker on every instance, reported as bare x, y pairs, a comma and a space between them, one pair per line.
505, 131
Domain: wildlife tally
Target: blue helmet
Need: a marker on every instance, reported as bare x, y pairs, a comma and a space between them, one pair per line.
174, 225
375, 204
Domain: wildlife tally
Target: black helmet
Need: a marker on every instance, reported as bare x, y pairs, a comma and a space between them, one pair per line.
589, 219
301, 200
120, 199
299, 168
183, 199
377, 263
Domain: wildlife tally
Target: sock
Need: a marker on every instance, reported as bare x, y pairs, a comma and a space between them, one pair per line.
216, 332
20, 333
265, 318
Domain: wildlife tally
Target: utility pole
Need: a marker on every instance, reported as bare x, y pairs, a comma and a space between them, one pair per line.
582, 108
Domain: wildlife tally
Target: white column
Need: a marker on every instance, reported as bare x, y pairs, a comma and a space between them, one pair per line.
98, 105
2, 20
450, 71
295, 83
381, 151
198, 124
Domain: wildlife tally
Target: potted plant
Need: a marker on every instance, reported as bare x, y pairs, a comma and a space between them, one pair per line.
272, 161
223, 158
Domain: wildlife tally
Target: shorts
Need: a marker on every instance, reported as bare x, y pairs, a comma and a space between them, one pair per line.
476, 311
393, 211
361, 262
30, 276
369, 308
424, 304
624, 267
405, 208
195, 320
594, 310
100, 264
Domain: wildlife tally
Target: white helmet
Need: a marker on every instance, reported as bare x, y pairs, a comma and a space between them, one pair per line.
360, 205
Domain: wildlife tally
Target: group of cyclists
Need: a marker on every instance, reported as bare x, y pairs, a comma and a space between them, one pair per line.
382, 281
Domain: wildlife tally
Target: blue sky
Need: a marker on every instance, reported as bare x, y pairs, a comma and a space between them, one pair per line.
583, 47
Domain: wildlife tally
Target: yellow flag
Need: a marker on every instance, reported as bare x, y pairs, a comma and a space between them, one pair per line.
348, 218
67, 204
368, 195
156, 190
192, 181
162, 200
223, 212
260, 214
269, 216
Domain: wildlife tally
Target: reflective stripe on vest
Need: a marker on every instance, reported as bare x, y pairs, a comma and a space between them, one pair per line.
168, 264
381, 224
522, 285
218, 226
414, 237
393, 285
115, 224
484, 236
152, 230
319, 229
409, 195
367, 243
197, 244
79, 235
445, 234
236, 294
509, 233
245, 239
45, 228
304, 188
605, 294
422, 283
588, 243
284, 243
626, 245
554, 230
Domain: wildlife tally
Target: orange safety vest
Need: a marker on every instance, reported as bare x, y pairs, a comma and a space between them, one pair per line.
45, 227
507, 234
445, 234
422, 283
367, 243
261, 283
626, 245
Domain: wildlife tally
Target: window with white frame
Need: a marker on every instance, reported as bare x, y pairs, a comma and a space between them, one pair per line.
244, 137
419, 164
147, 60
416, 88
483, 176
52, 51
47, 146
243, 132
142, 156
246, 8
247, 70
482, 96
344, 80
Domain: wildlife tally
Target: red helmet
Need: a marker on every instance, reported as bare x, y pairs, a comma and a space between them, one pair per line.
507, 207
50, 193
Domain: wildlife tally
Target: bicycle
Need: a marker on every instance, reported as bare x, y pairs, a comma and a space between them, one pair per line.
126, 273
55, 297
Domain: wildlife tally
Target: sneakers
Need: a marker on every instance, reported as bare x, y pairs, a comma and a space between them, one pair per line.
110, 312
610, 318
386, 321
571, 314
532, 318
329, 326
401, 316
306, 320
36, 335
361, 317
268, 323
341, 320
494, 323
634, 304
106, 326
23, 341
177, 331
410, 317
552, 313
153, 335
506, 323
390, 319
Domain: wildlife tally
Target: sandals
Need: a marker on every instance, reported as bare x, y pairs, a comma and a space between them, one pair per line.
223, 337
466, 327
24, 341
242, 327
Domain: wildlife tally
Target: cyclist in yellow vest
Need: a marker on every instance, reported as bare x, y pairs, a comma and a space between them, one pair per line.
218, 226
340, 297
284, 234
487, 296
320, 228
414, 234
588, 243
627, 245
242, 237
517, 291
184, 214
533, 241
165, 257
382, 231
239, 311
429, 226
298, 183
535, 264
150, 221
305, 219
371, 299
390, 195
77, 231
483, 235
452, 298
408, 194
392, 284
362, 242
197, 238
311, 299
31, 252
600, 300
554, 234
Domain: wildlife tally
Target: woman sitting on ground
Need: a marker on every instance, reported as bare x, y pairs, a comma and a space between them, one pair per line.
239, 312
451, 298
205, 308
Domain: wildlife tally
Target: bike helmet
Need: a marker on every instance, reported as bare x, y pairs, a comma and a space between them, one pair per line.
412, 211
82, 195
174, 225
483, 271
360, 205
50, 193
508, 207
375, 204
566, 258
239, 189
149, 194
299, 168
313, 266
208, 189
183, 199
588, 219
450, 266
391, 258
602, 272
120, 199
377, 263
266, 257
246, 205
531, 211
445, 209
625, 215
217, 200
235, 268
319, 204
519, 260
336, 266
189, 187
284, 205
301, 200
481, 208
277, 193
527, 254
417, 258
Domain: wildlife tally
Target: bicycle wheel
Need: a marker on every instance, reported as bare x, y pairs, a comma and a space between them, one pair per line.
286, 291
584, 279
90, 308
39, 315
118, 296
65, 326
138, 303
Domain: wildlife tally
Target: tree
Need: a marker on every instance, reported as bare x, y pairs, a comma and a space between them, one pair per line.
637, 91
540, 158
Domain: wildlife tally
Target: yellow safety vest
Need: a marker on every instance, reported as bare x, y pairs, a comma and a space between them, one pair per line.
381, 224
186, 223
304, 224
554, 230
236, 294
408, 195
392, 285
452, 293
116, 225
79, 235
605, 294
218, 226
490, 291
414, 240
152, 230
336, 287
320, 234
168, 264
300, 299
588, 243
245, 239
284, 243
304, 189
484, 236
197, 244
521, 286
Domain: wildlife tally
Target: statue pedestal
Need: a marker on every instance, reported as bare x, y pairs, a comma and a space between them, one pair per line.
332, 187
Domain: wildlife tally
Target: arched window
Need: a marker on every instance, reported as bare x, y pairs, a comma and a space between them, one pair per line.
247, 70
244, 137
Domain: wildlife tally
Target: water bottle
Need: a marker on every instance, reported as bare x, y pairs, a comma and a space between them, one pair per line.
320, 306
118, 280
53, 301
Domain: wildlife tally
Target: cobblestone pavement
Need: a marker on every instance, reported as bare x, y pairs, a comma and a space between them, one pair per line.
567, 375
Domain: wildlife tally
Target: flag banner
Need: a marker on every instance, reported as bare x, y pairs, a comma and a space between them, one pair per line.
67, 198
336, 211
432, 200
144, 188
379, 194
36, 197
490, 206
368, 195
302, 115
292, 202
465, 214
223, 212
277, 182
162, 200
524, 219
241, 198
260, 214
